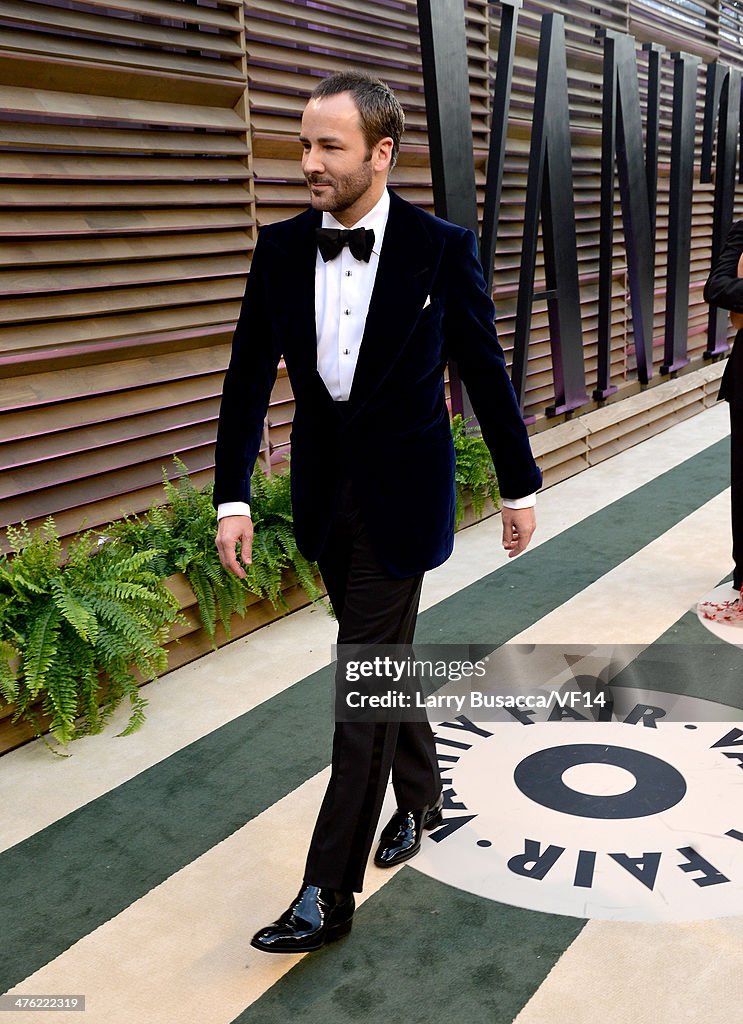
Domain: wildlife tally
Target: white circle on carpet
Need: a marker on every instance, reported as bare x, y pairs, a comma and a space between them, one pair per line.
601, 819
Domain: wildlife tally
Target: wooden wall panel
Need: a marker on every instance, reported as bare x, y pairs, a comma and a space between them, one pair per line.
127, 219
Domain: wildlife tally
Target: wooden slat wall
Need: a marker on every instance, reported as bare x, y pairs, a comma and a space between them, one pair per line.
127, 219
129, 134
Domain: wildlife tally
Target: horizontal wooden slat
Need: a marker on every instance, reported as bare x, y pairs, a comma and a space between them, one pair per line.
75, 49
34, 167
30, 337
105, 277
76, 251
59, 105
120, 222
222, 17
171, 76
113, 376
111, 27
131, 194
102, 140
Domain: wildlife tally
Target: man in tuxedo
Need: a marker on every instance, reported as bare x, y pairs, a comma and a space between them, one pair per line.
725, 289
366, 297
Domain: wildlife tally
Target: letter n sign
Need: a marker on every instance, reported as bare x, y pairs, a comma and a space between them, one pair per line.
549, 187
622, 135
721, 109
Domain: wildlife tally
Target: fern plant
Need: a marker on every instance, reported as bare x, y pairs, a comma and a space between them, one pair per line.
475, 473
183, 532
274, 545
66, 622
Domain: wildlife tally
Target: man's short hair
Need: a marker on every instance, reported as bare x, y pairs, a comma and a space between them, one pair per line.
379, 109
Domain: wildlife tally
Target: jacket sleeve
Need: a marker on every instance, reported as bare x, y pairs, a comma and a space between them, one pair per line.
724, 288
247, 386
473, 342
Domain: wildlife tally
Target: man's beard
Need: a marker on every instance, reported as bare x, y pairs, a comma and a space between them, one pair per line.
344, 191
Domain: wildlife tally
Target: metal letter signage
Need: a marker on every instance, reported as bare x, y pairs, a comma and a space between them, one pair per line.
722, 106
550, 185
622, 135
679, 211
498, 134
652, 132
549, 189
447, 91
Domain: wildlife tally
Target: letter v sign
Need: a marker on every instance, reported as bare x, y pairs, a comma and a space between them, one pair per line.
445, 75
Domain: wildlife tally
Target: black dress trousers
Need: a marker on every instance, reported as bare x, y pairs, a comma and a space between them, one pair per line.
372, 607
736, 490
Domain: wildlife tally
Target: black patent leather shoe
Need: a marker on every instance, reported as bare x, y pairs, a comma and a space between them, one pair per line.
401, 837
317, 916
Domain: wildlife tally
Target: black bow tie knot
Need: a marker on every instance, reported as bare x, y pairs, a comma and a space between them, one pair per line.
360, 241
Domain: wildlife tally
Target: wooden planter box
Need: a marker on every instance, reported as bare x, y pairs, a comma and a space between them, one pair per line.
190, 641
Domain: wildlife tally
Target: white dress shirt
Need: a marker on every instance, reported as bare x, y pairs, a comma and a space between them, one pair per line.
343, 289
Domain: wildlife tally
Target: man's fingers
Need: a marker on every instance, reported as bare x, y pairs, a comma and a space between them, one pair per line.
234, 530
518, 528
246, 547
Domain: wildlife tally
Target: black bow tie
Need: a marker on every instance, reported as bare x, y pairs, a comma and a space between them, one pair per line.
360, 241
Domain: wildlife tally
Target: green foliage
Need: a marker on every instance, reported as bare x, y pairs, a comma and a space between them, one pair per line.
74, 629
274, 545
67, 622
475, 473
183, 532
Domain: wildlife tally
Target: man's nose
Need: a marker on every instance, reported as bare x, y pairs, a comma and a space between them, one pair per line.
312, 161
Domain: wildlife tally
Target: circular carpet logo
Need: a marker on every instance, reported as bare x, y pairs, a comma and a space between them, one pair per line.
636, 822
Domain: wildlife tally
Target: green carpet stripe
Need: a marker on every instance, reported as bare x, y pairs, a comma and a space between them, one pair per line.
422, 952
87, 867
496, 609
690, 660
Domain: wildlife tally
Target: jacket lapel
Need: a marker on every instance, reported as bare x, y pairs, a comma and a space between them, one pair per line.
300, 266
406, 267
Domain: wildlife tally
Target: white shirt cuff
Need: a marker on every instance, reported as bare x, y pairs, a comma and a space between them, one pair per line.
528, 501
232, 508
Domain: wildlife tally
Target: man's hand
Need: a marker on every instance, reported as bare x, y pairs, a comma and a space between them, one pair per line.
518, 526
234, 530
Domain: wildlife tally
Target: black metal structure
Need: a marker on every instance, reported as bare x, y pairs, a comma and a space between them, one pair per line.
681, 187
498, 134
549, 186
721, 109
447, 92
652, 127
622, 137
446, 87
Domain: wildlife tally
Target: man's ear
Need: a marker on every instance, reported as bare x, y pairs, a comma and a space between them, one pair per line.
382, 154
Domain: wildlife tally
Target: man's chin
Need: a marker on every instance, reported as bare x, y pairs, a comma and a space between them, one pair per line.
322, 199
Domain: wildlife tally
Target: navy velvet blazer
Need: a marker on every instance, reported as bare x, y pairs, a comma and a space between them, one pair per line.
394, 437
725, 289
